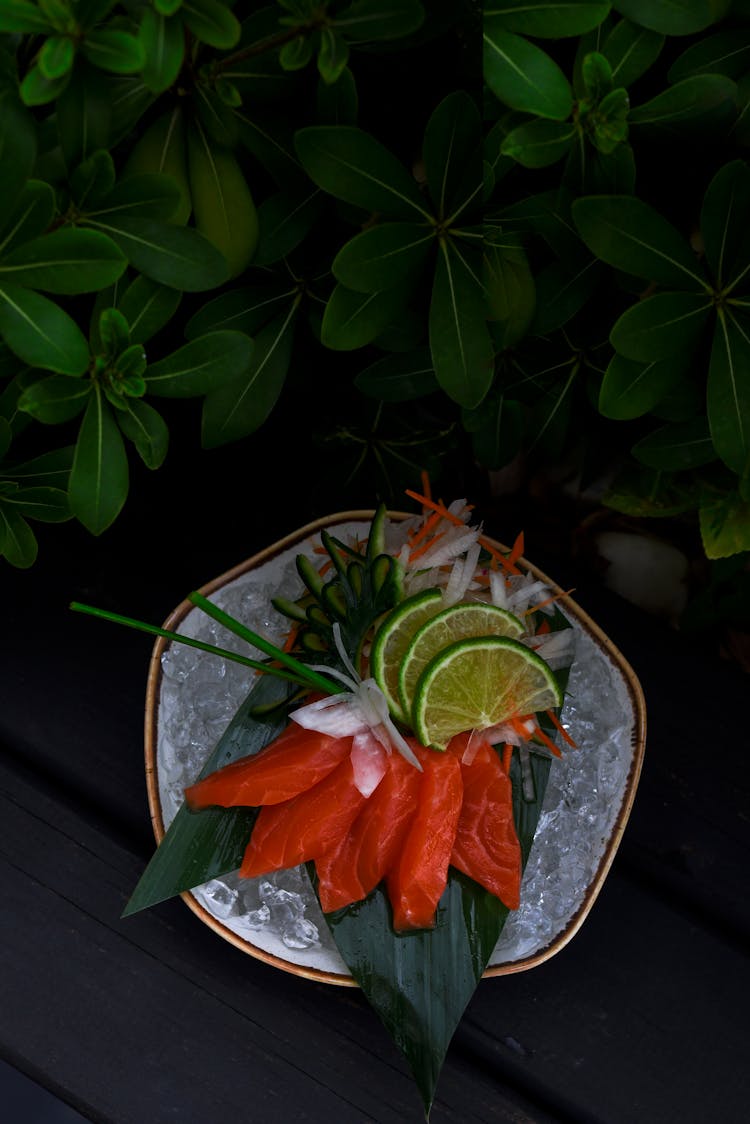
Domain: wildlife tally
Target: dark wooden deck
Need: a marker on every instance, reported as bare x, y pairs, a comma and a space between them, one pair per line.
154, 1019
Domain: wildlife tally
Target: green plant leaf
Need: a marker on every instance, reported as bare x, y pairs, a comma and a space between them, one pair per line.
46, 505
596, 75
129, 367
241, 405
651, 494
631, 389
548, 19
297, 53
723, 223
55, 399
21, 17
539, 143
522, 75
200, 366
66, 261
561, 293
631, 50
145, 427
176, 256
99, 478
93, 179
148, 306
384, 255
696, 106
608, 126
724, 523
30, 216
368, 21
114, 51
551, 414
211, 22
337, 104
402, 377
56, 56
630, 235
460, 343
510, 294
6, 437
677, 446
223, 205
673, 17
167, 7
497, 431
149, 196
36, 89
18, 147
661, 326
284, 220
355, 167
84, 115
245, 310
726, 52
17, 540
50, 470
728, 390
269, 141
41, 333
452, 152
163, 43
333, 55
353, 319
114, 333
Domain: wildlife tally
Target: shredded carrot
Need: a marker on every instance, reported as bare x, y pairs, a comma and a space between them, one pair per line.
559, 726
426, 483
415, 554
517, 550
544, 628
291, 638
538, 732
425, 529
507, 754
446, 514
549, 600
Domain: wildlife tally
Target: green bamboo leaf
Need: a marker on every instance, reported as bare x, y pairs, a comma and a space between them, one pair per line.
368, 21
46, 505
522, 75
241, 405
66, 261
355, 167
99, 477
673, 17
661, 326
701, 104
724, 523
18, 148
352, 319
172, 255
244, 310
145, 427
548, 19
116, 51
677, 446
200, 366
148, 306
402, 377
211, 22
631, 389
384, 255
30, 216
724, 226
56, 56
40, 332
55, 399
630, 235
728, 390
153, 195
459, 339
197, 848
21, 17
93, 179
561, 292
163, 43
17, 540
631, 50
84, 115
452, 153
539, 143
726, 52
284, 220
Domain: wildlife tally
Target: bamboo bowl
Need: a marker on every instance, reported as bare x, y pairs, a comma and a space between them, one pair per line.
326, 967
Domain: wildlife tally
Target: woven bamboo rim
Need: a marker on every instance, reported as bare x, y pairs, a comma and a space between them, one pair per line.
572, 610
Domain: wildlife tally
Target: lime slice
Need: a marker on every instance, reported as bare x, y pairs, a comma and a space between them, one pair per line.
476, 683
458, 622
393, 637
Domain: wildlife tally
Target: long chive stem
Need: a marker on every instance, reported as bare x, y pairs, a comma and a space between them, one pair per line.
312, 678
154, 630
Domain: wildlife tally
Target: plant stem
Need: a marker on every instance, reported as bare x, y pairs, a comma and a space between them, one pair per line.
263, 45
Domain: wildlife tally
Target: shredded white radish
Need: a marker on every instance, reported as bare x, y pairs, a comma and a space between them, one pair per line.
369, 762
461, 576
498, 591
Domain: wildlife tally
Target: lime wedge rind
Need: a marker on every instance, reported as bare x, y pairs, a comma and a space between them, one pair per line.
393, 637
